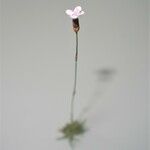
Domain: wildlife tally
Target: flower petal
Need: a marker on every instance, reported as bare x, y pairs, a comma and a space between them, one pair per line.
81, 12
77, 9
75, 13
74, 16
69, 12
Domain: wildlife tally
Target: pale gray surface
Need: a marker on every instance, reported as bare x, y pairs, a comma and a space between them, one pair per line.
149, 71
38, 48
0, 75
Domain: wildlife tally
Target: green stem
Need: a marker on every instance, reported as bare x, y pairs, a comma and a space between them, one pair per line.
75, 81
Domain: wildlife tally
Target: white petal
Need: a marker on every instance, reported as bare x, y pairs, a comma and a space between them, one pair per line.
77, 9
73, 16
69, 12
81, 12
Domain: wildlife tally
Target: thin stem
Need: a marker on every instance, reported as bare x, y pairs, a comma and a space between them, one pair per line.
75, 80
72, 145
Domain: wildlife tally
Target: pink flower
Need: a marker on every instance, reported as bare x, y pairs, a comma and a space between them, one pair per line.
74, 14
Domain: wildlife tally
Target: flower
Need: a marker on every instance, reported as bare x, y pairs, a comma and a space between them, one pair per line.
74, 14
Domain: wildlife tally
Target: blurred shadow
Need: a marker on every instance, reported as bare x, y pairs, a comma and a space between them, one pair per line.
105, 74
103, 77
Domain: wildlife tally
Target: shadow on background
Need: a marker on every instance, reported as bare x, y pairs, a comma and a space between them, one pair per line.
104, 76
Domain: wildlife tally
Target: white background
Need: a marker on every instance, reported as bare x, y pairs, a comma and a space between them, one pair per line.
37, 62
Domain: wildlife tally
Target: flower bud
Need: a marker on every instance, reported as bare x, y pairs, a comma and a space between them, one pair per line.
75, 23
